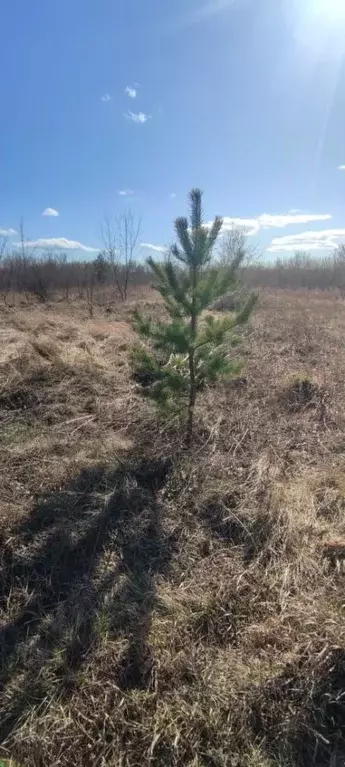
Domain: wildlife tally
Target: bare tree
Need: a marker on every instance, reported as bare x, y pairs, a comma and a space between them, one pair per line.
339, 268
120, 241
5, 272
234, 241
233, 244
128, 232
3, 245
23, 262
64, 274
89, 277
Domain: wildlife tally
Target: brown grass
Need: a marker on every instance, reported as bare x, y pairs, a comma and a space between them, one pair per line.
163, 607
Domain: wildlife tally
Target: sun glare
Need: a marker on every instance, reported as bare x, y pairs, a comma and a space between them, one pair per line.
319, 24
331, 10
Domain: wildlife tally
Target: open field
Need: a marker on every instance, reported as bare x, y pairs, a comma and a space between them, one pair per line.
160, 606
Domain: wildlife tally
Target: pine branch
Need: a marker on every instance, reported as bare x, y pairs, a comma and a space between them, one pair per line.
181, 228
243, 316
141, 324
206, 290
196, 208
178, 254
214, 331
158, 271
214, 233
179, 285
200, 244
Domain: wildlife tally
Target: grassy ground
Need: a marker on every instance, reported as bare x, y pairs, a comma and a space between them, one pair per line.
163, 607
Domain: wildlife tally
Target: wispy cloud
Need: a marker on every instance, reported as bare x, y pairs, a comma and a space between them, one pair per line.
7, 232
137, 117
341, 167
57, 243
172, 195
155, 248
208, 9
131, 92
50, 212
125, 192
272, 221
106, 97
266, 220
326, 239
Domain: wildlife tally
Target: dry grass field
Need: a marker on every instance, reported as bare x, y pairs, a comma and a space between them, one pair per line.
160, 606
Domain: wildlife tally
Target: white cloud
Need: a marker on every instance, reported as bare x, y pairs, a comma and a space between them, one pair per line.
50, 212
267, 221
172, 195
131, 92
125, 192
58, 243
155, 248
7, 232
272, 221
137, 117
326, 239
106, 97
341, 167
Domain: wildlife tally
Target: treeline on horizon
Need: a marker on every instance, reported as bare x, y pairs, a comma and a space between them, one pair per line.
47, 275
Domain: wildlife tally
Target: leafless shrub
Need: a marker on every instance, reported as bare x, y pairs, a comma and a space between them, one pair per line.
120, 240
49, 275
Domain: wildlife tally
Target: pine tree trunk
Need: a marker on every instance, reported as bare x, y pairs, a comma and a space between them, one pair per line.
192, 397
192, 383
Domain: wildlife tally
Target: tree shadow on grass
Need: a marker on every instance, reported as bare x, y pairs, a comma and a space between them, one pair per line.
101, 537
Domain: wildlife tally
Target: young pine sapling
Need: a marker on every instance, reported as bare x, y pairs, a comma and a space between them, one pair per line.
181, 355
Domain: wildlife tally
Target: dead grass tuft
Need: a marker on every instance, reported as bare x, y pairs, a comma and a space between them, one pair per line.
301, 393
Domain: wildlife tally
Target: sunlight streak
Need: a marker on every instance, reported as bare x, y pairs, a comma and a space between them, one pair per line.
318, 32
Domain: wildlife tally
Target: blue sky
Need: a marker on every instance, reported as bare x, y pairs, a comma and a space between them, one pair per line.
244, 98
